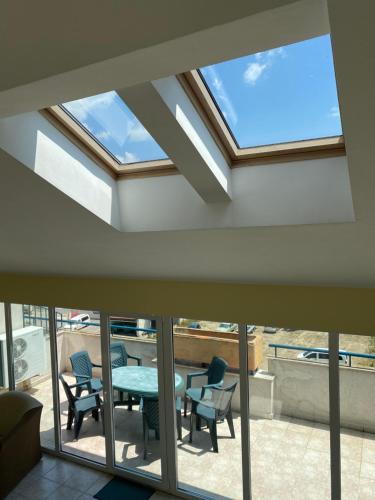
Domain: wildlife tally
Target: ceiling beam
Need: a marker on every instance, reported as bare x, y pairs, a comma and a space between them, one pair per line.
167, 113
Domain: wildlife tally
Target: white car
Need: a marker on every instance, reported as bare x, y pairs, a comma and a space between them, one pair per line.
321, 357
79, 319
226, 327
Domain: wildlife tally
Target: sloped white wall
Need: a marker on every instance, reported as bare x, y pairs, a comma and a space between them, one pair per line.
303, 192
36, 143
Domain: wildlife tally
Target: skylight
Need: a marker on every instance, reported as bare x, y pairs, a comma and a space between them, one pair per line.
111, 123
281, 95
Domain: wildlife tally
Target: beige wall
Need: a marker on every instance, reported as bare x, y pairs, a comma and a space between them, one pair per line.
347, 310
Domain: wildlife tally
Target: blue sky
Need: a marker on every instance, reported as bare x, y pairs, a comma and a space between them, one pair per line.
281, 95
284, 94
112, 123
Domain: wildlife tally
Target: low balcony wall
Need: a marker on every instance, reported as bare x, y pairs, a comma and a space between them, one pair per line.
301, 390
193, 346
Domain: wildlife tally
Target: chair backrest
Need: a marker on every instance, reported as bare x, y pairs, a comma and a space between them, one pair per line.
81, 365
67, 390
221, 399
119, 356
216, 370
150, 409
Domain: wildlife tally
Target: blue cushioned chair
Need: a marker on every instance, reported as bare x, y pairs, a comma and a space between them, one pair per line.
82, 370
215, 378
215, 405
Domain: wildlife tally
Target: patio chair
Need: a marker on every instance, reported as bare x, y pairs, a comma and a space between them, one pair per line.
82, 370
119, 357
215, 378
215, 405
150, 417
79, 406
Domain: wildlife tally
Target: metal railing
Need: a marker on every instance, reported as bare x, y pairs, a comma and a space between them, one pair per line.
73, 322
349, 354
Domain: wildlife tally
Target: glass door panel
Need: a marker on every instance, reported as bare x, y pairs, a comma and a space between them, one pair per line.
357, 415
135, 385
289, 413
4, 383
206, 356
32, 362
80, 385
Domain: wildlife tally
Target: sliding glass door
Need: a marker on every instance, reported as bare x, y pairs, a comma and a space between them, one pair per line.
202, 408
208, 408
135, 394
79, 359
31, 352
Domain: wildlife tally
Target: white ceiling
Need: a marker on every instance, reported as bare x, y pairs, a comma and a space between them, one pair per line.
43, 231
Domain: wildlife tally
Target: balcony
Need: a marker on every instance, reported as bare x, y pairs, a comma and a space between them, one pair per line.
290, 439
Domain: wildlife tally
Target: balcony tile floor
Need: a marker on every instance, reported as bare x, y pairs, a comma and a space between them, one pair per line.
290, 457
57, 479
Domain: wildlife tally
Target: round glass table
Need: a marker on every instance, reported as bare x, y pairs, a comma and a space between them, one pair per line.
140, 380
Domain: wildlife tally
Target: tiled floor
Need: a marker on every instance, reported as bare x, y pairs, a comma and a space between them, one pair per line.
57, 479
290, 457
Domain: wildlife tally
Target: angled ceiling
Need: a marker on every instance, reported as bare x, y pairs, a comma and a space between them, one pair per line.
53, 54
40, 39
43, 231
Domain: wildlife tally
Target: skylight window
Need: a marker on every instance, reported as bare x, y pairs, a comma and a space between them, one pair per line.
278, 96
111, 123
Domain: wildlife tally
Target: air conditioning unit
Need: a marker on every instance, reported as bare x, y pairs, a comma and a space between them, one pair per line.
29, 353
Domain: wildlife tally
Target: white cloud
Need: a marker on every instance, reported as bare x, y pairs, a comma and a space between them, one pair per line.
334, 112
280, 51
225, 103
127, 157
137, 132
253, 72
264, 60
103, 134
82, 107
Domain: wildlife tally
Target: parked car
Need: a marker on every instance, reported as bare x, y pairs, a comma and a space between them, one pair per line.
79, 319
194, 324
226, 327
269, 329
123, 326
321, 357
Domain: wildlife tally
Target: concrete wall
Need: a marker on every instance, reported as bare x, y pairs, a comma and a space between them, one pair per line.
301, 390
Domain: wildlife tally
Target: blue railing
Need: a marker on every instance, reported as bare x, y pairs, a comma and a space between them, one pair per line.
114, 326
349, 354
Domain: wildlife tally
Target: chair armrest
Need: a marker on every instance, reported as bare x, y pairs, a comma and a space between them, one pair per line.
137, 358
95, 394
78, 375
209, 386
79, 384
191, 375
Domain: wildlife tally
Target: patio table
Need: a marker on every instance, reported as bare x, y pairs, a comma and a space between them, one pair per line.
140, 380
